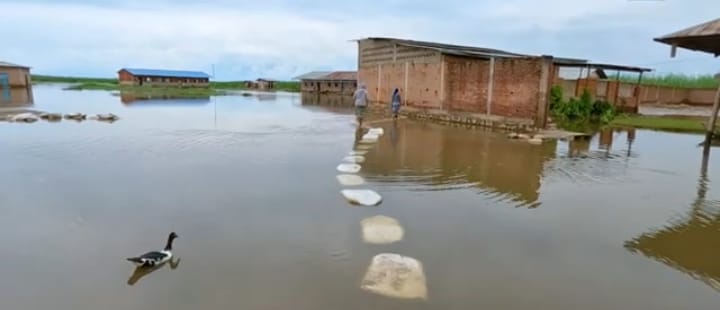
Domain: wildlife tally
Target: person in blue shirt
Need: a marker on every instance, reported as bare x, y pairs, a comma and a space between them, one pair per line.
395, 102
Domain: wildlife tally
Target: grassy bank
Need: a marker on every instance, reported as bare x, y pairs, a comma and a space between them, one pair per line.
148, 90
676, 80
112, 84
663, 122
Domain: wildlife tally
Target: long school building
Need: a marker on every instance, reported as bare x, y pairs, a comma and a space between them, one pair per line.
443, 79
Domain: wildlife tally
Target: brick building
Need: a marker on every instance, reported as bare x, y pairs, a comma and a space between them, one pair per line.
451, 79
338, 82
154, 77
15, 84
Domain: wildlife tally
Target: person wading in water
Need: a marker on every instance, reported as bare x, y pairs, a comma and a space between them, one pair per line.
361, 103
395, 102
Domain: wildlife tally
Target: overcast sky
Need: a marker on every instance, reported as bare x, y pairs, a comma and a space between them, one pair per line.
283, 38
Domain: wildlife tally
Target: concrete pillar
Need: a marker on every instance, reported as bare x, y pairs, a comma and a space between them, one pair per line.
379, 83
491, 77
542, 106
442, 82
406, 91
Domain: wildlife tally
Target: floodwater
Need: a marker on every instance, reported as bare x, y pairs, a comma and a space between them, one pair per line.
625, 220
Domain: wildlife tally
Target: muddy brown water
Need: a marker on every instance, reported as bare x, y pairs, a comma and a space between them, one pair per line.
625, 220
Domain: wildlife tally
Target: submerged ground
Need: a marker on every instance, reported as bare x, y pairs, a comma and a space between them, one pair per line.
625, 220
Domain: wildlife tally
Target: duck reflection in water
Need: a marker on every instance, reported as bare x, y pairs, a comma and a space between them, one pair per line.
141, 271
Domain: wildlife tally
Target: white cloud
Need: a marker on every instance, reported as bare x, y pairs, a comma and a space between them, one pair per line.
280, 38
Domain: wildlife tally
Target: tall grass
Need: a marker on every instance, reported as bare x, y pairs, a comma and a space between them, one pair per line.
675, 80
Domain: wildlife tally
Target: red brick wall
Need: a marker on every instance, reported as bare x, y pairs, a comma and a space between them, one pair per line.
516, 87
467, 84
125, 76
423, 85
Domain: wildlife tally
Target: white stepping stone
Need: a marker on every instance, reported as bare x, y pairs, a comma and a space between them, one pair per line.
376, 131
349, 168
364, 197
381, 230
358, 153
350, 180
369, 138
395, 276
354, 159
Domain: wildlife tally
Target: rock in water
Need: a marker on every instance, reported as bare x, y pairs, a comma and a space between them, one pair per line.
381, 230
350, 180
354, 159
349, 168
535, 141
364, 197
395, 276
24, 118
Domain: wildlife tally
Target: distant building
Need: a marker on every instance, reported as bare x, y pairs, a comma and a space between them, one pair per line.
15, 84
154, 77
261, 84
338, 82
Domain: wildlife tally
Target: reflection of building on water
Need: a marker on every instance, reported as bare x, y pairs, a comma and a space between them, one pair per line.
15, 85
690, 244
329, 102
129, 98
447, 157
580, 146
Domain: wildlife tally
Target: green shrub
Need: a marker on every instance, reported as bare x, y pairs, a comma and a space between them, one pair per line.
580, 112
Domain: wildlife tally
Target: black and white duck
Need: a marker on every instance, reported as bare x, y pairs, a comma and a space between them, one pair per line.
151, 259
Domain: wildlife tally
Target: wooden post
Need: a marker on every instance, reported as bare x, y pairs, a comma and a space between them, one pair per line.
617, 89
712, 121
490, 86
577, 83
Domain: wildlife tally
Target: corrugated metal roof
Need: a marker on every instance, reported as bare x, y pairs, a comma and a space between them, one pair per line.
342, 76
329, 76
704, 37
595, 65
461, 50
11, 65
314, 75
167, 73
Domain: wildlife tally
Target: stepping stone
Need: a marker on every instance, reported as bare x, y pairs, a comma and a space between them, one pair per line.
376, 131
354, 159
369, 138
358, 153
381, 230
395, 276
350, 180
364, 147
364, 197
349, 168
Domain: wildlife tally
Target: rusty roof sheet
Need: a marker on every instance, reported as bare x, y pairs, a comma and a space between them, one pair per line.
342, 76
10, 65
468, 51
329, 76
704, 37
